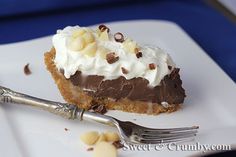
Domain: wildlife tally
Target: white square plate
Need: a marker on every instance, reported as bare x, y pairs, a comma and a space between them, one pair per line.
26, 132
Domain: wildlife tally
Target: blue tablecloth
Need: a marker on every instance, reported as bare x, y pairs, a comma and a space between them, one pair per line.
25, 19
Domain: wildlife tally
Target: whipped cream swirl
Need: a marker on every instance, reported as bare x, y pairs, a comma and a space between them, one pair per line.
71, 58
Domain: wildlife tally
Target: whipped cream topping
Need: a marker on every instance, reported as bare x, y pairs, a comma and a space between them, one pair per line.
83, 49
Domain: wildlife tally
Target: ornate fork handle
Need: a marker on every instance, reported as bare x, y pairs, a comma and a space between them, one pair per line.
63, 109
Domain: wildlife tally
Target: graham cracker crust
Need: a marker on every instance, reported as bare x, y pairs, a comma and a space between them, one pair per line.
74, 94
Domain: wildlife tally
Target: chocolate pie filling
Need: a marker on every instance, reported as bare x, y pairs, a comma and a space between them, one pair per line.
170, 89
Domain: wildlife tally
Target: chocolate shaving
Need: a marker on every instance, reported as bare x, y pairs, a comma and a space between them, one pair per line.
152, 66
124, 71
90, 149
66, 129
118, 144
169, 67
111, 58
102, 28
27, 70
98, 108
139, 54
119, 37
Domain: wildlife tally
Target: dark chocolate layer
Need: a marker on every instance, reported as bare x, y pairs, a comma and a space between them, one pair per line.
170, 89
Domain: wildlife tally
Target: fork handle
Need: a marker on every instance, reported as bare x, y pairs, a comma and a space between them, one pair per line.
65, 110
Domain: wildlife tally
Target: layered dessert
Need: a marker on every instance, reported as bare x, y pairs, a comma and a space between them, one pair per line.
97, 67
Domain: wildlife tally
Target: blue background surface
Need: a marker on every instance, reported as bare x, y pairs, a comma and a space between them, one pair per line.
26, 19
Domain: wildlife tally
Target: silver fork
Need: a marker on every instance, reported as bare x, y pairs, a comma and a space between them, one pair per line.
129, 132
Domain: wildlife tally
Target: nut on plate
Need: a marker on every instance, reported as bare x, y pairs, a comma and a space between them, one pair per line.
90, 138
101, 138
111, 136
104, 149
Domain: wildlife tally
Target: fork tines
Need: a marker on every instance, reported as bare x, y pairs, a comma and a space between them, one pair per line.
154, 136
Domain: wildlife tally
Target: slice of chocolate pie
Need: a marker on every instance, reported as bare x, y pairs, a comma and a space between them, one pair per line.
95, 67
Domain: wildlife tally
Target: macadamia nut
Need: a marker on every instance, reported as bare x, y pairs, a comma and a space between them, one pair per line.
90, 138
105, 149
